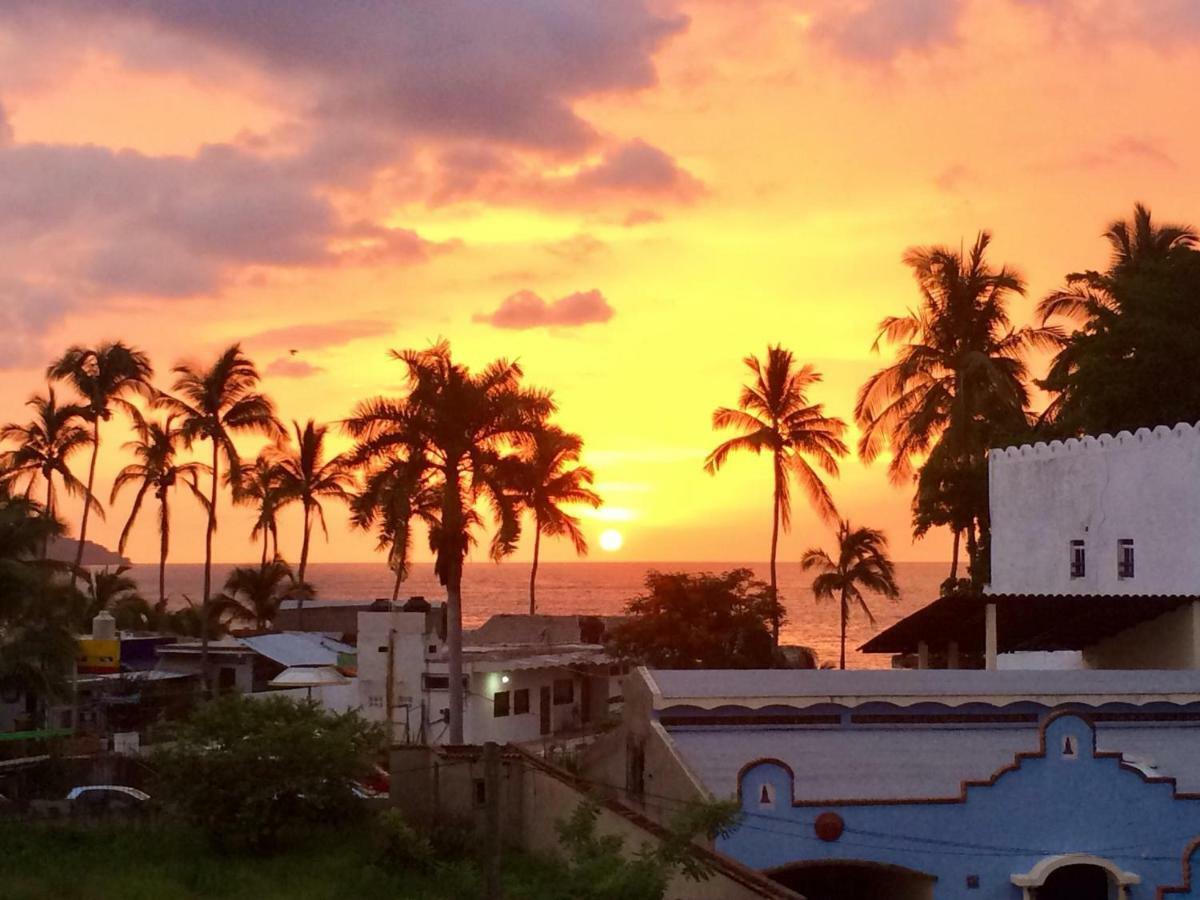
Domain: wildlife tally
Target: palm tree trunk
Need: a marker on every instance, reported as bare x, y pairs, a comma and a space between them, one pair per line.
775, 505
164, 540
396, 585
266, 537
304, 543
452, 525
208, 539
972, 551
954, 555
87, 499
845, 614
49, 514
537, 545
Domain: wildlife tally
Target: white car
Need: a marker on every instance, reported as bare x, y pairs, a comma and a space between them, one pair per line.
108, 799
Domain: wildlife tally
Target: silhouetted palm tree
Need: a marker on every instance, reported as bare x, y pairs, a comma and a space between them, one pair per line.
43, 449
548, 477
775, 417
213, 405
959, 374
260, 487
157, 471
454, 427
102, 376
305, 477
253, 594
396, 493
108, 590
861, 562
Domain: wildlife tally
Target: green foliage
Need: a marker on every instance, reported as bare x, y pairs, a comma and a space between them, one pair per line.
245, 770
1138, 332
399, 846
598, 866
704, 621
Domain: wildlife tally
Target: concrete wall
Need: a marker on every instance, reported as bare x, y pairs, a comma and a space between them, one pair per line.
535, 797
1144, 486
1168, 642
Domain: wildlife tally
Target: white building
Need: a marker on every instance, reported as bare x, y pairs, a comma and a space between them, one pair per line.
515, 692
1099, 515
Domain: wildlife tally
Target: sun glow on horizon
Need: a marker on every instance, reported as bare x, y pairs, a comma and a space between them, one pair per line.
611, 540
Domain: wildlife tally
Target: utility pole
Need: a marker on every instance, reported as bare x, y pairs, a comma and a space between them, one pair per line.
492, 888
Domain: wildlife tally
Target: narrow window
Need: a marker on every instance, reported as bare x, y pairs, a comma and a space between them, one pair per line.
1125, 558
521, 702
500, 704
480, 792
564, 691
1078, 559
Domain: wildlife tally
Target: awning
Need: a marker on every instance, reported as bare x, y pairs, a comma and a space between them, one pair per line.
1023, 621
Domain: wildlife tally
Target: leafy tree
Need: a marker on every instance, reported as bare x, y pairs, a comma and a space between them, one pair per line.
39, 608
305, 476
213, 405
157, 470
704, 621
959, 374
452, 431
44, 447
861, 562
775, 417
102, 376
111, 590
253, 594
598, 867
547, 477
247, 770
1137, 330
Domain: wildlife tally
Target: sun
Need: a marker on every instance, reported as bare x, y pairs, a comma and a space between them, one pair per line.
611, 540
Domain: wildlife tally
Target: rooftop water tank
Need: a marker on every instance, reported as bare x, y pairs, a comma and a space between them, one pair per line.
104, 626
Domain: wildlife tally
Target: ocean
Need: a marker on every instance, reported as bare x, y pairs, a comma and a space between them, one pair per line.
593, 588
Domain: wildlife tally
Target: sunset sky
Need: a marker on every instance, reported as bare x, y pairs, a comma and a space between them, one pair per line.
626, 196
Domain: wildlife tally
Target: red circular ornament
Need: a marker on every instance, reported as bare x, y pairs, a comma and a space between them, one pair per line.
829, 826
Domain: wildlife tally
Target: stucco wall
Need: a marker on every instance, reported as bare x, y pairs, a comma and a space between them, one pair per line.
1168, 642
1144, 486
1042, 806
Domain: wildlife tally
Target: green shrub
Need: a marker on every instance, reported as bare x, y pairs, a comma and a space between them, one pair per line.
399, 846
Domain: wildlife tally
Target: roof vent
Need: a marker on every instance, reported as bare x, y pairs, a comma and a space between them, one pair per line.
416, 604
380, 606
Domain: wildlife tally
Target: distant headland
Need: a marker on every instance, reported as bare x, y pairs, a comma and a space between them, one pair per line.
93, 554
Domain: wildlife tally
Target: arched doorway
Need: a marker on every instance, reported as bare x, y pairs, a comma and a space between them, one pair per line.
852, 879
1076, 876
1077, 882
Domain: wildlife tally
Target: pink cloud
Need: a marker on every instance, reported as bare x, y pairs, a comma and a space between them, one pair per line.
286, 367
525, 309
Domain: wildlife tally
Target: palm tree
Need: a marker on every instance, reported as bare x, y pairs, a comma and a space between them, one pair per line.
260, 486
959, 374
1095, 302
305, 476
108, 590
44, 447
547, 477
253, 594
862, 562
213, 405
156, 471
394, 495
774, 416
454, 427
102, 376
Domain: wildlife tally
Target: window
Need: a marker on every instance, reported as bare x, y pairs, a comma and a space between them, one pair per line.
1125, 558
480, 792
1078, 559
564, 691
226, 679
500, 704
521, 702
442, 682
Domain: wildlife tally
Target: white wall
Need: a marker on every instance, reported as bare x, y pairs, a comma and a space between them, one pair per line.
1144, 486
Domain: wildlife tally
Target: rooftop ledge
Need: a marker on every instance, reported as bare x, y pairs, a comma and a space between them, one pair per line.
757, 688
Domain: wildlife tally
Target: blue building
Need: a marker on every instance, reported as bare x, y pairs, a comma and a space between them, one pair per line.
1055, 785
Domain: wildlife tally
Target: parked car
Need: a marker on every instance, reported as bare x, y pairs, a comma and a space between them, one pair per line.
108, 799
